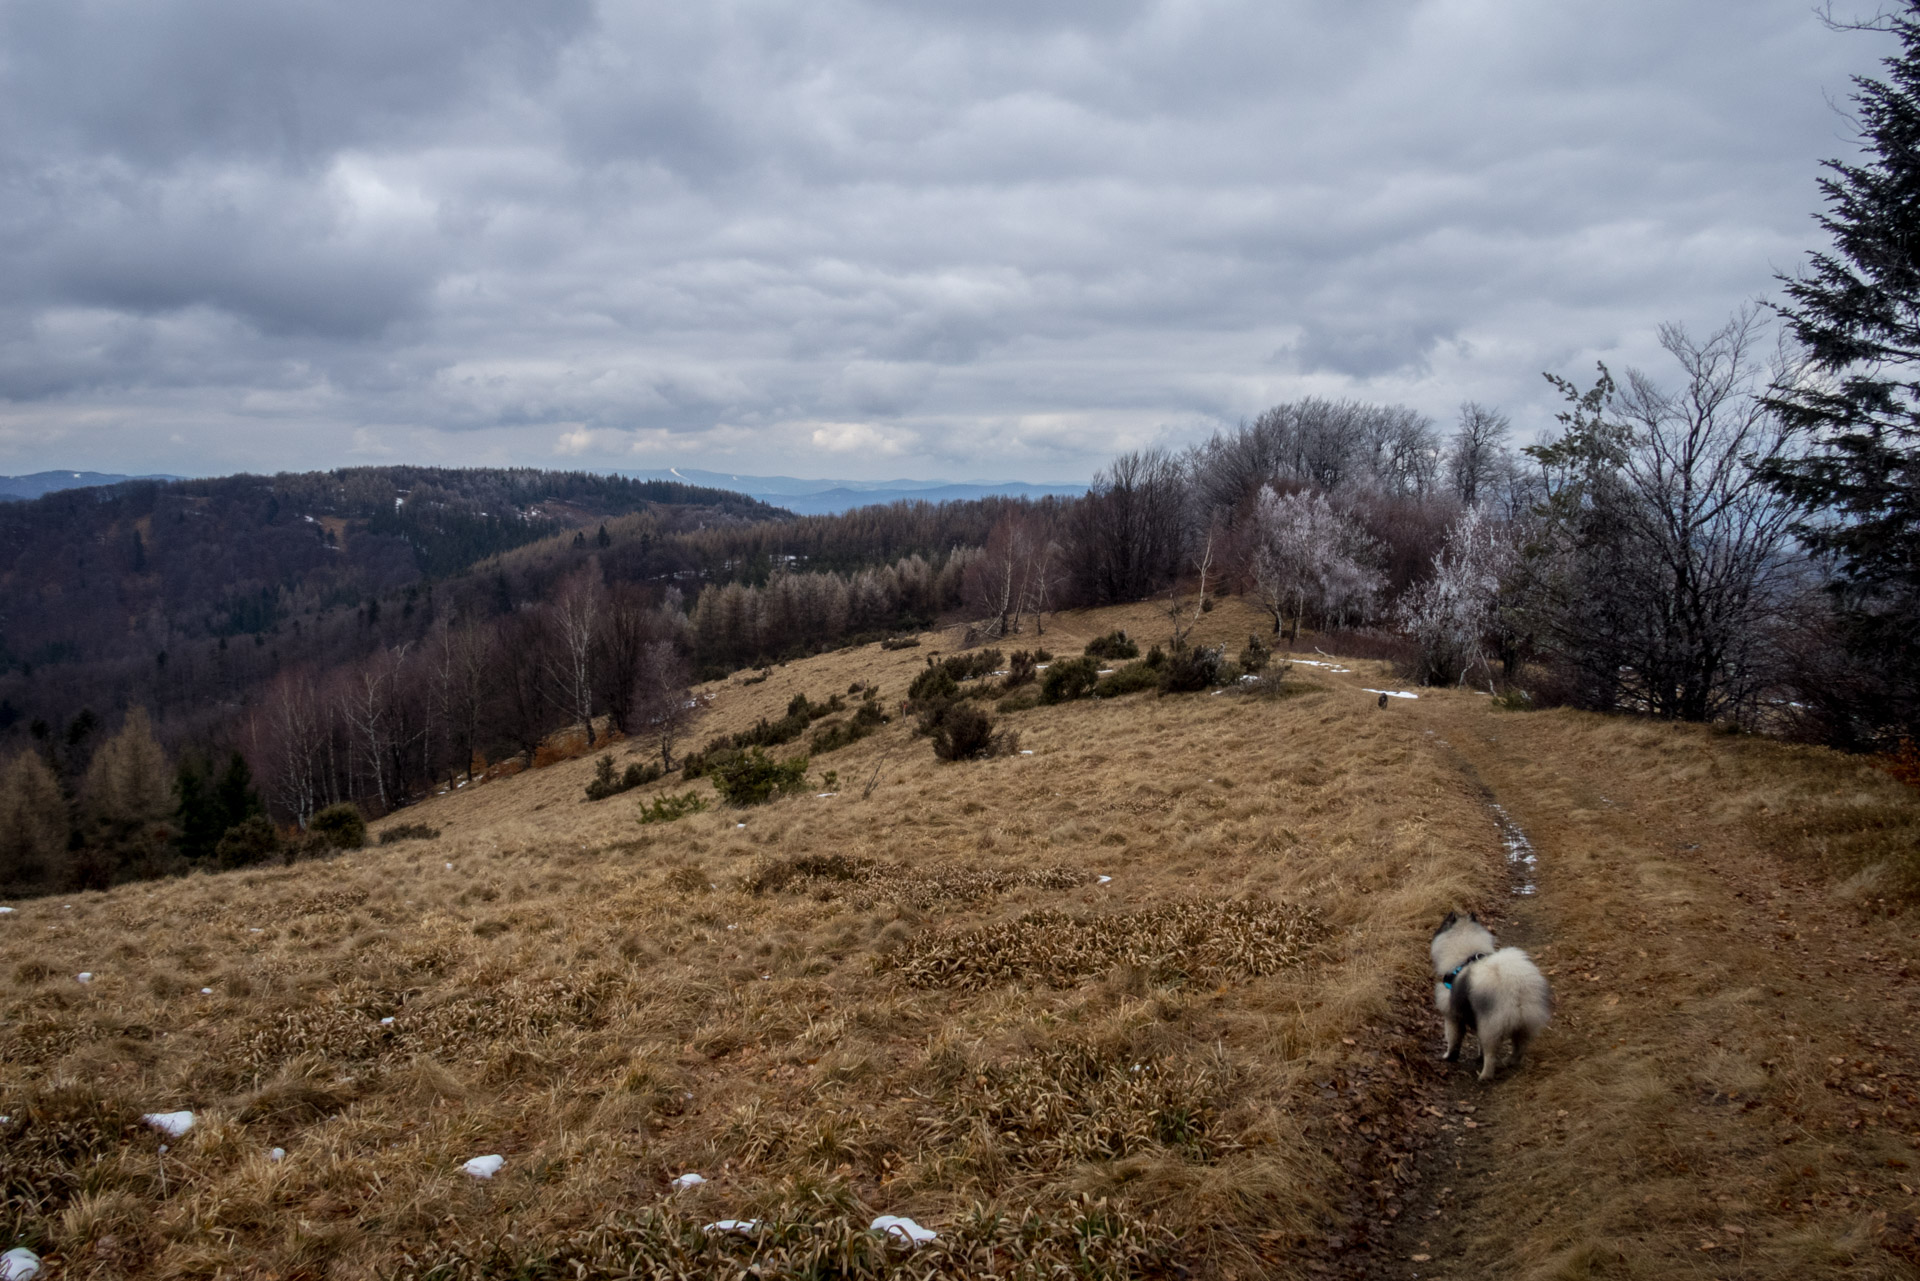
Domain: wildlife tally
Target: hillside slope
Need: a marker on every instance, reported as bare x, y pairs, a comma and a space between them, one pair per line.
923, 1000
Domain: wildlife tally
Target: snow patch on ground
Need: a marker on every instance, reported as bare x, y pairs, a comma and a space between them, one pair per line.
484, 1167
739, 1227
1393, 693
902, 1231
689, 1181
171, 1124
19, 1264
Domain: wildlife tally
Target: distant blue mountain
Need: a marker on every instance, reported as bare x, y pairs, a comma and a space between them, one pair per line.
830, 497
47, 482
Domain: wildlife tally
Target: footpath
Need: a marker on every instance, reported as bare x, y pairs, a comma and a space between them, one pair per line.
1729, 1085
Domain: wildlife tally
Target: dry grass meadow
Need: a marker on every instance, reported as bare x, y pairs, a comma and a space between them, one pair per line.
924, 1000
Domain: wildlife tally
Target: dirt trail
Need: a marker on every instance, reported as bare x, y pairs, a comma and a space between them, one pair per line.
1728, 1089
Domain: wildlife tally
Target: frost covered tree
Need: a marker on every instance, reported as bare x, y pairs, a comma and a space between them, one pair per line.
1455, 613
1309, 558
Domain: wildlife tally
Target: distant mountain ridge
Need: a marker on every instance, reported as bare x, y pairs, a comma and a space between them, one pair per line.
828, 497
21, 488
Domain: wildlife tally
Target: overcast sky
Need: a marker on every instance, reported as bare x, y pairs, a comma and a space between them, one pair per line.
996, 239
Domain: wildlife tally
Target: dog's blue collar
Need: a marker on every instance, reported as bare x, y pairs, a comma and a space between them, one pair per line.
1447, 982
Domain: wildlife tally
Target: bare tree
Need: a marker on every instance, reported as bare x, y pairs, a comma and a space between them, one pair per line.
1478, 449
1660, 555
666, 706
576, 629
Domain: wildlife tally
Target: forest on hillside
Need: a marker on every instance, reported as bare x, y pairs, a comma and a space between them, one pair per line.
1730, 539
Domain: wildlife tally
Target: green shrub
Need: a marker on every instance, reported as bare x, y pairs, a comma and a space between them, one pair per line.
1255, 657
1156, 658
962, 732
831, 738
606, 783
753, 778
1114, 645
1191, 670
1130, 679
251, 840
801, 713
1068, 679
664, 809
1020, 669
1019, 701
1514, 699
933, 686
342, 826
409, 832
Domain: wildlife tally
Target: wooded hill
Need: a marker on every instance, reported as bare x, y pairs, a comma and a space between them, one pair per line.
102, 590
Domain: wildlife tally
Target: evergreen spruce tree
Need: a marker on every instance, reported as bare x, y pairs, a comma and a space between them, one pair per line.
1856, 310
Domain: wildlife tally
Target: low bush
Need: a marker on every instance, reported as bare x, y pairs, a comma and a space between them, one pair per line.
1019, 701
865, 720
801, 714
1255, 657
409, 832
961, 732
342, 826
1513, 699
1156, 658
1130, 679
1068, 679
252, 840
665, 809
606, 783
1113, 646
1191, 670
933, 686
753, 778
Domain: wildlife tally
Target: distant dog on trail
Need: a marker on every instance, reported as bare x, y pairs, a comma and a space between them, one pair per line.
1496, 993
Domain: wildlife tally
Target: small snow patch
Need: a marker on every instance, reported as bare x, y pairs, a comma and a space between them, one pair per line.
1393, 693
1103, 880
277, 1155
739, 1227
84, 976
1026, 751
206, 991
484, 1167
902, 1231
171, 1124
19, 1264
689, 1181
449, 867
387, 1022
826, 796
5, 911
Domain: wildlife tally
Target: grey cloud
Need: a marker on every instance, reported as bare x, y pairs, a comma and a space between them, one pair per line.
1016, 234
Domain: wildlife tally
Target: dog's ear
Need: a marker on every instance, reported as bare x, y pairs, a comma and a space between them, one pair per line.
1475, 918
1452, 918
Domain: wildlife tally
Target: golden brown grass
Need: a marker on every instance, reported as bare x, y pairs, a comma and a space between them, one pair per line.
1206, 1063
745, 994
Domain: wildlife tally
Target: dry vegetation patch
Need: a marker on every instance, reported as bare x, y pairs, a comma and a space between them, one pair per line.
914, 997
1167, 943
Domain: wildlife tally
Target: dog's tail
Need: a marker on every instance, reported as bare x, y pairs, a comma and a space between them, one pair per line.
1511, 998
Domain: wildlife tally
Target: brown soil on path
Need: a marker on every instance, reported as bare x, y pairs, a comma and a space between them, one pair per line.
1728, 1089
